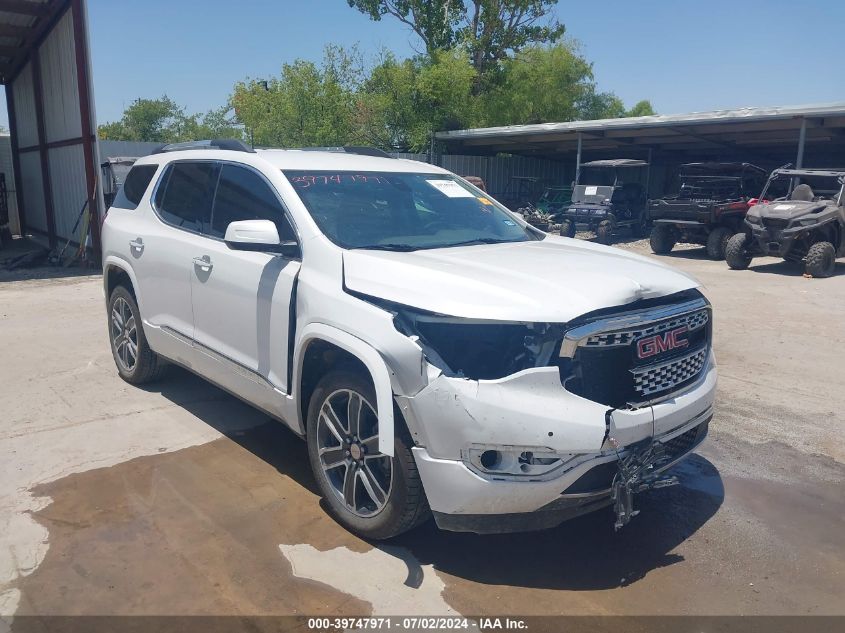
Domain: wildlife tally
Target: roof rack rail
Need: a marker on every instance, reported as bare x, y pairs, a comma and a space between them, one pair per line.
351, 149
217, 143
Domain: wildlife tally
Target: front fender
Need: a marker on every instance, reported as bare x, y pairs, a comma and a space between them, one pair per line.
372, 360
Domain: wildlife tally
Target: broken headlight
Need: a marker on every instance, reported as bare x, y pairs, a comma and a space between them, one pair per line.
479, 350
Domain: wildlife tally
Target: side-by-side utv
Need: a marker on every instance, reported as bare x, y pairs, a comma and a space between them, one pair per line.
612, 196
807, 224
708, 207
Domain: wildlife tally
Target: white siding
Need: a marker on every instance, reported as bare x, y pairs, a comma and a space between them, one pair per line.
7, 168
58, 83
33, 191
67, 178
24, 96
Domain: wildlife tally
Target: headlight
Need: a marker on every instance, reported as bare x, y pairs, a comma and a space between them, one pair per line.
808, 221
479, 350
753, 219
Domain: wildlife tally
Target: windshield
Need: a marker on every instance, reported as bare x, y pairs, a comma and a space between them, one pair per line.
403, 211
806, 187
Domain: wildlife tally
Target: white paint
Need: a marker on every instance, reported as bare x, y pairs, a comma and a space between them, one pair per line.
8, 605
377, 577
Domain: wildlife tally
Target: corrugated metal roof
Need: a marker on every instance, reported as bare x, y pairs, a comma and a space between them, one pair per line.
739, 115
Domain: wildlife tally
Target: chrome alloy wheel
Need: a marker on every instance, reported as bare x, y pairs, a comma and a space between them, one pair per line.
347, 444
124, 334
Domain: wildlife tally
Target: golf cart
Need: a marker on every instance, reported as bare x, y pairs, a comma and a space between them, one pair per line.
708, 208
608, 202
807, 224
114, 170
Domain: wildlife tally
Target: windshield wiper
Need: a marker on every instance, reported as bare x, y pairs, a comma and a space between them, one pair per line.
403, 248
479, 240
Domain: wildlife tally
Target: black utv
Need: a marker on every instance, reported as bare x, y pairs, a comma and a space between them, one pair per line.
708, 208
807, 224
612, 198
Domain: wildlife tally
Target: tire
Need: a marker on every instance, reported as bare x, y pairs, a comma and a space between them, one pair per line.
126, 333
821, 260
604, 232
662, 239
717, 242
403, 505
736, 254
641, 228
567, 228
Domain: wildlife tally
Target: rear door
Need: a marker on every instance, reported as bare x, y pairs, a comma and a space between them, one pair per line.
182, 205
242, 299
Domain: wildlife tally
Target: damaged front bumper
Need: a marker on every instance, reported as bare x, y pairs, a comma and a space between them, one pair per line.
530, 415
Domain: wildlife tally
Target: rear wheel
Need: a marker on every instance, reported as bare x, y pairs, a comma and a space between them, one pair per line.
136, 362
369, 493
567, 228
663, 238
821, 260
717, 242
604, 232
736, 253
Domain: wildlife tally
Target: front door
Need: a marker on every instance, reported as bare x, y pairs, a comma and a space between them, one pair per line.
241, 299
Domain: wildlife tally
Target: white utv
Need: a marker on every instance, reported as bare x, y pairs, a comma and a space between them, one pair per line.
438, 354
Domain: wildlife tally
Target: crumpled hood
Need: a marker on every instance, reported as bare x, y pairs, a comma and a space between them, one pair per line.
553, 280
787, 209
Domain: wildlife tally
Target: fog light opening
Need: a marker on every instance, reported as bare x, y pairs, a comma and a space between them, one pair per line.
490, 459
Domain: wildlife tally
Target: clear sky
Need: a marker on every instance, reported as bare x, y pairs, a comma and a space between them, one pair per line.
682, 55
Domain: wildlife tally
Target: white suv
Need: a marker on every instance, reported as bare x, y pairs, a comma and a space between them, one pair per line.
437, 353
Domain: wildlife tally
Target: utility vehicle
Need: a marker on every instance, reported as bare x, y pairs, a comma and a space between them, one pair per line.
612, 197
708, 208
806, 225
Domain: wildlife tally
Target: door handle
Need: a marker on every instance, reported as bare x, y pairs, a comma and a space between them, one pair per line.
203, 263
137, 244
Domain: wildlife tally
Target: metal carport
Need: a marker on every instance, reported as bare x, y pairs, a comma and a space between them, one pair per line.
803, 135
45, 67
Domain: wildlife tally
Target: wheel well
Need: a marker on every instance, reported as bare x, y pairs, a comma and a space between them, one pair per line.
320, 357
115, 277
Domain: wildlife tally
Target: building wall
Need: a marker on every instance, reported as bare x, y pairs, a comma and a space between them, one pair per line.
61, 143
7, 168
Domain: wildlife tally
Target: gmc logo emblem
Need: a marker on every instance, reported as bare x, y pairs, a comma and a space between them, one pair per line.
659, 343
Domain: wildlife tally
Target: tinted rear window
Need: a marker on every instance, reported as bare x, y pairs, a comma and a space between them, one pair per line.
136, 183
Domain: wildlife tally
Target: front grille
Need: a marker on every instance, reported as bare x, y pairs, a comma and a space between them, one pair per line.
693, 321
684, 443
775, 224
654, 379
606, 367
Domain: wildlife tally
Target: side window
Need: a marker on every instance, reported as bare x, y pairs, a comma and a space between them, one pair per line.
244, 195
184, 196
136, 183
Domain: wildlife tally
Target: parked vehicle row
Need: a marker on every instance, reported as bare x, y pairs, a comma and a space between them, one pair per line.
798, 216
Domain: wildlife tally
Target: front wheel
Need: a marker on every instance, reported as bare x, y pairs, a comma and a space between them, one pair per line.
604, 232
821, 260
717, 242
736, 253
567, 228
369, 493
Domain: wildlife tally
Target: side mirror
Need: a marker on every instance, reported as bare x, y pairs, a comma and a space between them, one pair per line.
258, 235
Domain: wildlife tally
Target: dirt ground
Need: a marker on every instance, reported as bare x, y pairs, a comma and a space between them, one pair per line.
179, 499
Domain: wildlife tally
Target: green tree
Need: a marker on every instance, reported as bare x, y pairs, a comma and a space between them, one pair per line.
308, 104
162, 120
489, 29
641, 108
